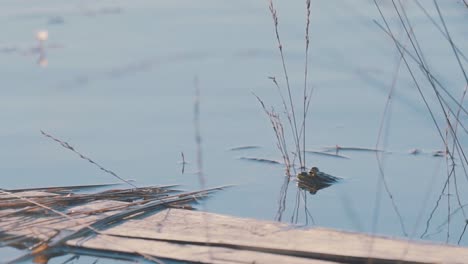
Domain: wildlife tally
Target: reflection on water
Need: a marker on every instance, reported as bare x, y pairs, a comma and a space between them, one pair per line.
42, 37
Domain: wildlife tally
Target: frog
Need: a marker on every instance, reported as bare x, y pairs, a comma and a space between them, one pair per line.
315, 180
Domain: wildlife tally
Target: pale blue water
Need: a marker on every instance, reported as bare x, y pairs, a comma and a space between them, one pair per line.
119, 87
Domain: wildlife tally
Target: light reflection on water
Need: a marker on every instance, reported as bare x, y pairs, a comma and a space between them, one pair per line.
120, 89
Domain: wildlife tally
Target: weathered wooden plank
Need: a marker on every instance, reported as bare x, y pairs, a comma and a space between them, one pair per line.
194, 228
183, 252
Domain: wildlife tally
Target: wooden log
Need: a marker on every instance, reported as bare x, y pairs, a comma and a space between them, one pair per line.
198, 229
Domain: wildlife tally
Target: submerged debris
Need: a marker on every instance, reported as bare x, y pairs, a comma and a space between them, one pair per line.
338, 148
315, 180
261, 160
327, 154
243, 147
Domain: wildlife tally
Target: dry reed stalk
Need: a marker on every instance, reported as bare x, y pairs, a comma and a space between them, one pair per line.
454, 150
290, 110
453, 132
400, 50
289, 106
306, 70
69, 147
279, 133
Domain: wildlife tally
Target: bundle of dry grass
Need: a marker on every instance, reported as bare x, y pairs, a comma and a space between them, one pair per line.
43, 219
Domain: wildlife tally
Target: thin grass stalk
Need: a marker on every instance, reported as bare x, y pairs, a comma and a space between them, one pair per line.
406, 51
454, 212
454, 145
450, 130
433, 78
69, 147
431, 215
457, 117
456, 120
420, 91
378, 155
424, 64
400, 50
297, 204
286, 76
439, 29
457, 192
307, 212
418, 47
306, 69
415, 45
309, 96
449, 175
279, 131
282, 199
452, 45
286, 111
431, 81
464, 228
279, 134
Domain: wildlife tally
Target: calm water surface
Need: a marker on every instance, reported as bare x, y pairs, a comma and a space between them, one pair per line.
119, 87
